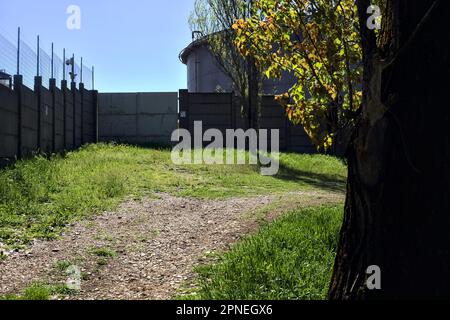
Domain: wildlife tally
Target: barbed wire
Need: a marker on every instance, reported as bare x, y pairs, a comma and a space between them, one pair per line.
30, 66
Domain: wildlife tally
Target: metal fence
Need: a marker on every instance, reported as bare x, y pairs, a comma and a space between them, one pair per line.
20, 57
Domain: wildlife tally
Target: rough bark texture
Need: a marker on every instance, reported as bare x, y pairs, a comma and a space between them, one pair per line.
398, 200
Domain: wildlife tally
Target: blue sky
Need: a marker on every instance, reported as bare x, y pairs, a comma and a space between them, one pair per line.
133, 44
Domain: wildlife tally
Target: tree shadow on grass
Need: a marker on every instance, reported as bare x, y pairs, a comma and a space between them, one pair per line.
333, 183
327, 182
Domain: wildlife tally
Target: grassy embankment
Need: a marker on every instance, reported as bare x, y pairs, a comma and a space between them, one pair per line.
38, 197
288, 259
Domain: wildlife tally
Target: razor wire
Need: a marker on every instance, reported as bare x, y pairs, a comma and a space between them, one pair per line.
29, 64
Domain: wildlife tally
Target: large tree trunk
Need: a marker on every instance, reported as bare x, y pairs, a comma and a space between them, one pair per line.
397, 213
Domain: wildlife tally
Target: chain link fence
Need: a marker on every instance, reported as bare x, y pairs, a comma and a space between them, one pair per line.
20, 57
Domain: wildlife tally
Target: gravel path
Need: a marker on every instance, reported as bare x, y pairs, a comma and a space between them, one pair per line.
156, 244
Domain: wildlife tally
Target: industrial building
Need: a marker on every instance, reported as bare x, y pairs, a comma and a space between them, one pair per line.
204, 74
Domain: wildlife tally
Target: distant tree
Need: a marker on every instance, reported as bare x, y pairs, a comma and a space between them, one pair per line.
397, 212
215, 19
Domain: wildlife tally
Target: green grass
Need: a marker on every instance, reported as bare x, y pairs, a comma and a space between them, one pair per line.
40, 292
39, 197
62, 265
291, 258
103, 252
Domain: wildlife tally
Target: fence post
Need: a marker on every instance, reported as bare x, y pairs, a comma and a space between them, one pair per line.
38, 62
18, 82
64, 65
95, 105
81, 86
53, 61
64, 93
183, 116
38, 92
52, 87
18, 51
73, 88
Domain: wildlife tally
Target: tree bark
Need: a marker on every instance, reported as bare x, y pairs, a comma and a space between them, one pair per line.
397, 212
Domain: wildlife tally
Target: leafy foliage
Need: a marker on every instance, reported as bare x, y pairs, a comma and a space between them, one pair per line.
319, 42
214, 19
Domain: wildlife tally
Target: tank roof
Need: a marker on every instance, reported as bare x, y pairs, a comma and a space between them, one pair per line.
184, 54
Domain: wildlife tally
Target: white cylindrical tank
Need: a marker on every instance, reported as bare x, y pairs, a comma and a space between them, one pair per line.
204, 74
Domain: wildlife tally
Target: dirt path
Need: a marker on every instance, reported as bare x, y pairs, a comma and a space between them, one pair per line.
155, 243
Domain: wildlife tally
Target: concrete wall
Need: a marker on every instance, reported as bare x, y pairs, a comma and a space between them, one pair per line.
138, 118
69, 136
46, 121
29, 137
89, 123
9, 133
59, 119
42, 120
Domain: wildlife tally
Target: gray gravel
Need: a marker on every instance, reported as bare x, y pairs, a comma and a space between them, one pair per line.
157, 244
